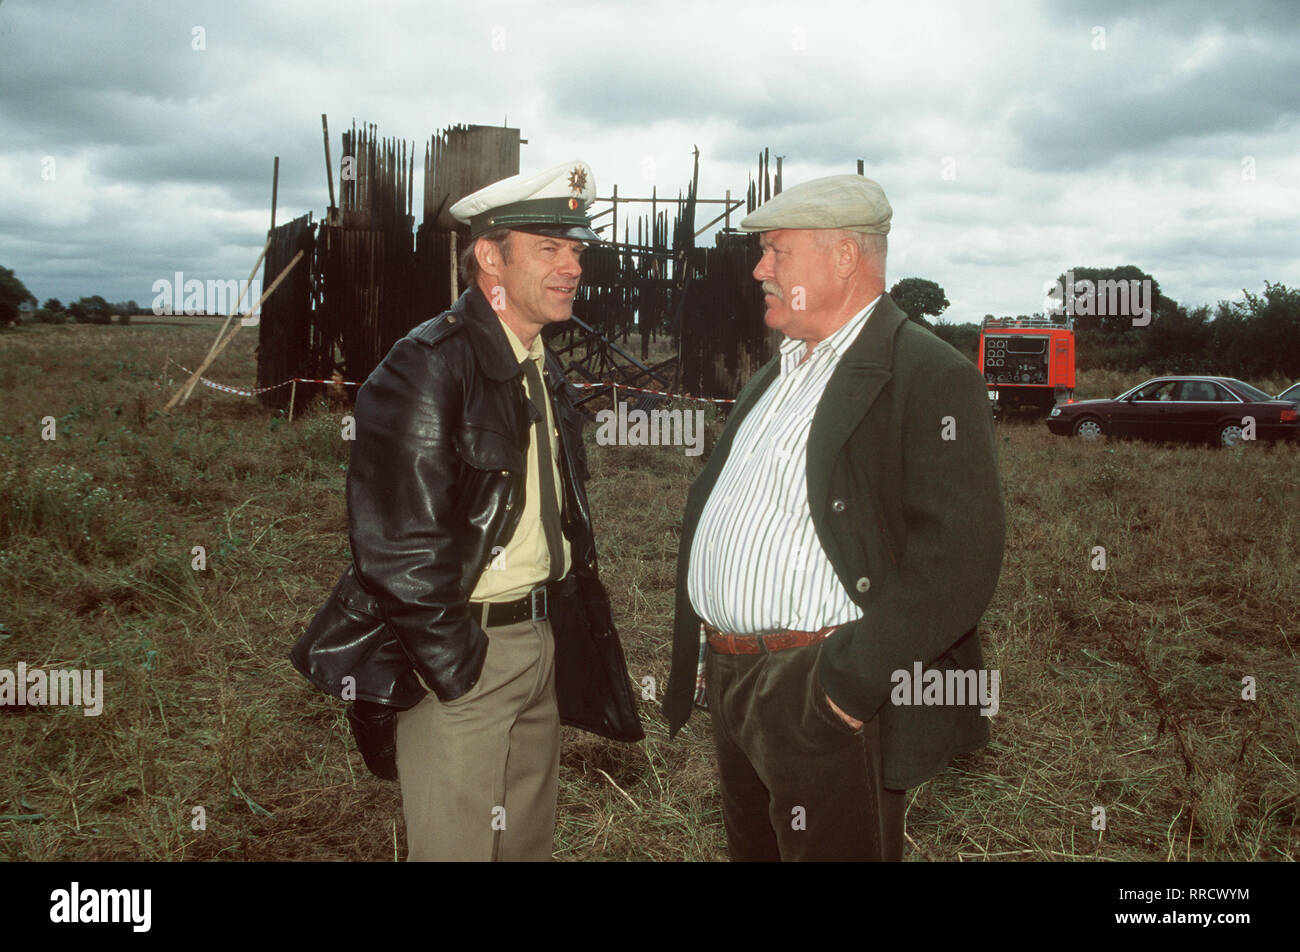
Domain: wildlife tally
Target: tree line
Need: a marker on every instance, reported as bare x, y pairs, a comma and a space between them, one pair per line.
85, 310
1257, 335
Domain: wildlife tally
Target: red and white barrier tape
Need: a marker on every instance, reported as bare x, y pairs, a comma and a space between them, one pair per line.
658, 393
255, 391
348, 383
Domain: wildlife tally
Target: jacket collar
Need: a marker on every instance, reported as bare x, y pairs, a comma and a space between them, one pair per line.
493, 351
858, 378
867, 363
862, 373
866, 366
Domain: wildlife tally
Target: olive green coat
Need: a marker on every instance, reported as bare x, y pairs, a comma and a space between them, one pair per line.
904, 493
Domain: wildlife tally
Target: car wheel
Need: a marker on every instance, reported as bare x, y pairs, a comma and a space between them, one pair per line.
1230, 435
1089, 428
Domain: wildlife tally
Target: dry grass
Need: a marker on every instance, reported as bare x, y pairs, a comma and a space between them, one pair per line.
1120, 689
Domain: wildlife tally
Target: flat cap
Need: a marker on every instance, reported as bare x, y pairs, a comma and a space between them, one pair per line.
551, 202
837, 201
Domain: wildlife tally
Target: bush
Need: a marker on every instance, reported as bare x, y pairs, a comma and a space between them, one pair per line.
124, 319
91, 310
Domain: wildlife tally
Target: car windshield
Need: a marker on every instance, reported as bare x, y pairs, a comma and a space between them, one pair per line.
1247, 390
1290, 393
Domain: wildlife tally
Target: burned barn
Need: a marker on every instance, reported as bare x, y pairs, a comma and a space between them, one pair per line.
370, 273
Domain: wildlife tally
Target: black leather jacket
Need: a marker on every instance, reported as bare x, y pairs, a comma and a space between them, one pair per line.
436, 482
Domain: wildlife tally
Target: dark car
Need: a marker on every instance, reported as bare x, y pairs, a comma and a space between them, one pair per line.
1217, 409
1291, 394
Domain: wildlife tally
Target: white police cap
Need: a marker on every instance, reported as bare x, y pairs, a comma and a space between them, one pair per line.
552, 202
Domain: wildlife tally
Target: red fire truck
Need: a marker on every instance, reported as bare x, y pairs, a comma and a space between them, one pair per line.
1027, 362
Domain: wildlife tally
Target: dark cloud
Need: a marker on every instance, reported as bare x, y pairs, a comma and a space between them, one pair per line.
1061, 152
1181, 17
1134, 109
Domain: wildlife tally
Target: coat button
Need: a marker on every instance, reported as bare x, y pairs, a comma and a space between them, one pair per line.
508, 506
838, 505
863, 584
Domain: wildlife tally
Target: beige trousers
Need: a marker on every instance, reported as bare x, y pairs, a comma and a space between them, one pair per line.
479, 774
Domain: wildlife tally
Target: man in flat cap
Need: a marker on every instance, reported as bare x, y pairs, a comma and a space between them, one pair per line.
845, 534
473, 587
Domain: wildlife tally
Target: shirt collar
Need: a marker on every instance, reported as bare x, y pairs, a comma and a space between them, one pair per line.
521, 352
835, 345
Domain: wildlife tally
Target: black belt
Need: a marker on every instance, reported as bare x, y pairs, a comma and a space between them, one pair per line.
532, 607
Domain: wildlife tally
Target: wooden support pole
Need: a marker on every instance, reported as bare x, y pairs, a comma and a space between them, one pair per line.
293, 395
275, 189
182, 394
625, 199
239, 299
329, 169
455, 284
726, 215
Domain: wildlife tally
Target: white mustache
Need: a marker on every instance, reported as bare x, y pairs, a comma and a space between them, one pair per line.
770, 288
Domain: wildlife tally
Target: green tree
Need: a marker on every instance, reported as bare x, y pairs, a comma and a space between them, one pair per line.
918, 297
12, 293
1259, 336
91, 310
1179, 342
963, 337
1096, 294
52, 304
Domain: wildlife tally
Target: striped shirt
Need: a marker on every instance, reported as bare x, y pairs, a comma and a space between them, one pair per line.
756, 564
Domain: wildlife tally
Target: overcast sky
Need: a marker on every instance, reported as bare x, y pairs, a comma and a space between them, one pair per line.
1013, 140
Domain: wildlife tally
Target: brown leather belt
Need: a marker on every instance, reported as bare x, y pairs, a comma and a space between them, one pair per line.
726, 643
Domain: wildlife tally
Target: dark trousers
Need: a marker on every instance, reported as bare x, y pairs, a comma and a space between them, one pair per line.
797, 782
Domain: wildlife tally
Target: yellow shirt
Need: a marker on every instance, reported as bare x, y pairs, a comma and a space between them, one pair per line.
525, 561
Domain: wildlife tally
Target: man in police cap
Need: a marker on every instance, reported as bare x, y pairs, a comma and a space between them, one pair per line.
847, 526
474, 567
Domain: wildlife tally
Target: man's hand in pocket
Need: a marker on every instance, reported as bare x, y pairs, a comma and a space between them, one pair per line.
851, 721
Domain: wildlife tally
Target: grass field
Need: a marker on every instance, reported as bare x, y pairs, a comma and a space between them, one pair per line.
1121, 688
